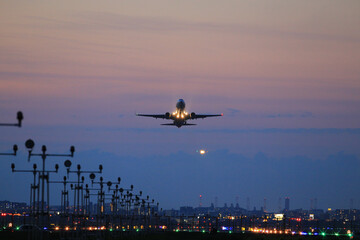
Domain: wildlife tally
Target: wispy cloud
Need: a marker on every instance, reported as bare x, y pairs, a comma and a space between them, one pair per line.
100, 21
233, 112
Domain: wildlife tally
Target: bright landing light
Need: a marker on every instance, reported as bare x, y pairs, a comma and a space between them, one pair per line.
202, 151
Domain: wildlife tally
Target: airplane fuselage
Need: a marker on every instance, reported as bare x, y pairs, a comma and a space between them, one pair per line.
180, 116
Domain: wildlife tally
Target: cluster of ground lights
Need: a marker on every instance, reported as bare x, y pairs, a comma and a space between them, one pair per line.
223, 229
315, 233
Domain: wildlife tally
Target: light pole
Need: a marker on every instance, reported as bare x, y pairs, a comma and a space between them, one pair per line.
87, 195
44, 175
145, 203
137, 202
79, 186
64, 198
19, 117
15, 148
33, 188
126, 200
114, 198
101, 197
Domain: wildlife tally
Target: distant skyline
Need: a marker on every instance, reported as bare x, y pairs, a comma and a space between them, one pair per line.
284, 73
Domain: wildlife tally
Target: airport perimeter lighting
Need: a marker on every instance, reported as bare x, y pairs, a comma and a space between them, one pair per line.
34, 187
79, 184
44, 174
64, 196
19, 117
15, 148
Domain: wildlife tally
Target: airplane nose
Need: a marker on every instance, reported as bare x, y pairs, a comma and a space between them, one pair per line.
180, 104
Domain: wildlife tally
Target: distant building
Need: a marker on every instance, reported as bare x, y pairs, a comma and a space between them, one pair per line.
7, 206
287, 204
187, 211
172, 212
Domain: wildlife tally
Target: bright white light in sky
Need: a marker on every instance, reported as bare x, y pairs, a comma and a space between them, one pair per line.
202, 151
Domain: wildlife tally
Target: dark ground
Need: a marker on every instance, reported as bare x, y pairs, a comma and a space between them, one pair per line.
166, 236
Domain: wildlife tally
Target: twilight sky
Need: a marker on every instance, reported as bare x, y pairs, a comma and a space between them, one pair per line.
284, 73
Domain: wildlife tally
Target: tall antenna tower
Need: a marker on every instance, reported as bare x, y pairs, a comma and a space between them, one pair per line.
237, 202
279, 205
264, 204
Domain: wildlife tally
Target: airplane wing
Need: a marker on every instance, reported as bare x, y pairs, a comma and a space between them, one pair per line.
152, 115
206, 115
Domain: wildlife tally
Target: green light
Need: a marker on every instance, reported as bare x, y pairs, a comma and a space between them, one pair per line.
336, 234
124, 230
203, 231
310, 233
110, 229
323, 233
137, 229
17, 228
230, 231
177, 230
350, 234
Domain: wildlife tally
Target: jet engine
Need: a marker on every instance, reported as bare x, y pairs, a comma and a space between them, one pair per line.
192, 115
167, 115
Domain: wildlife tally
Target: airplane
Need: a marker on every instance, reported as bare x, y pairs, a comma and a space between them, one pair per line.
180, 116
